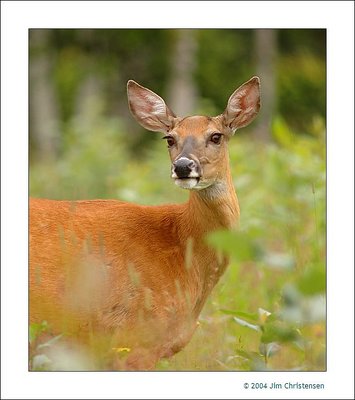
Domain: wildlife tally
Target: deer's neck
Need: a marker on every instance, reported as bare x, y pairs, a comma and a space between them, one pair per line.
207, 210
213, 208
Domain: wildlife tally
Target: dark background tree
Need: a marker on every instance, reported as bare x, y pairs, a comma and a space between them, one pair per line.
266, 53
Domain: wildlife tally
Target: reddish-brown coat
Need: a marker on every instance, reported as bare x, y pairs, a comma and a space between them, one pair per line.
140, 274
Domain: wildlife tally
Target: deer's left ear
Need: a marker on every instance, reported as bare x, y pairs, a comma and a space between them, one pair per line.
243, 105
149, 109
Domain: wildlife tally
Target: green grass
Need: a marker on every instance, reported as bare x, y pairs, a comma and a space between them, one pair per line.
268, 310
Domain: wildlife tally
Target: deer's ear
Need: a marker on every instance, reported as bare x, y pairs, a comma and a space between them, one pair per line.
243, 105
149, 109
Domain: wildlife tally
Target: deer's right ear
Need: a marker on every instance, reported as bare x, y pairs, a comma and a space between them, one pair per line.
149, 109
243, 105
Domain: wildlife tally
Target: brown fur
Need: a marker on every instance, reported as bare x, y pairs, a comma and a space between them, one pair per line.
140, 274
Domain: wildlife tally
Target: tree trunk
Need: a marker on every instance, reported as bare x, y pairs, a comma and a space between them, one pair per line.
266, 53
182, 91
44, 124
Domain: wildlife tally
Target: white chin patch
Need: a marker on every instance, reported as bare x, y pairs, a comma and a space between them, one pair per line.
187, 183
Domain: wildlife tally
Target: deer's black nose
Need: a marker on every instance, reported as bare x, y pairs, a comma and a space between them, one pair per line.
183, 167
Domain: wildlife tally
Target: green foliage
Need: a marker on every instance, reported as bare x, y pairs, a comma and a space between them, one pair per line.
55, 355
241, 246
224, 59
268, 310
278, 253
306, 98
93, 158
112, 55
36, 329
313, 280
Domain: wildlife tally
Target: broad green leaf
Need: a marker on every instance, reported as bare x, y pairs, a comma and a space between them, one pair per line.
239, 245
253, 317
279, 332
313, 281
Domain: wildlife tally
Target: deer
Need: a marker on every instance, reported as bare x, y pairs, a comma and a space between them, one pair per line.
141, 274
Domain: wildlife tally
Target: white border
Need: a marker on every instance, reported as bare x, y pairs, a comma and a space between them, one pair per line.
16, 19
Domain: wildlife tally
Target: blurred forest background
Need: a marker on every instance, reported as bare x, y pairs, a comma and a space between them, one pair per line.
268, 311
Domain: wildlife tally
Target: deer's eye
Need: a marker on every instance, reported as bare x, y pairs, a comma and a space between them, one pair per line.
169, 140
216, 138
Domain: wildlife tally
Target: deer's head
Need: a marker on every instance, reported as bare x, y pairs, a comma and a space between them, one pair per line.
197, 144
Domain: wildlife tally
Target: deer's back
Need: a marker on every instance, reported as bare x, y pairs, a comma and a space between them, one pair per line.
104, 259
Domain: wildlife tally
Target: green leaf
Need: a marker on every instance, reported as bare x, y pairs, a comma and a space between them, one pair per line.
251, 317
282, 133
313, 281
239, 245
249, 355
36, 329
278, 331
